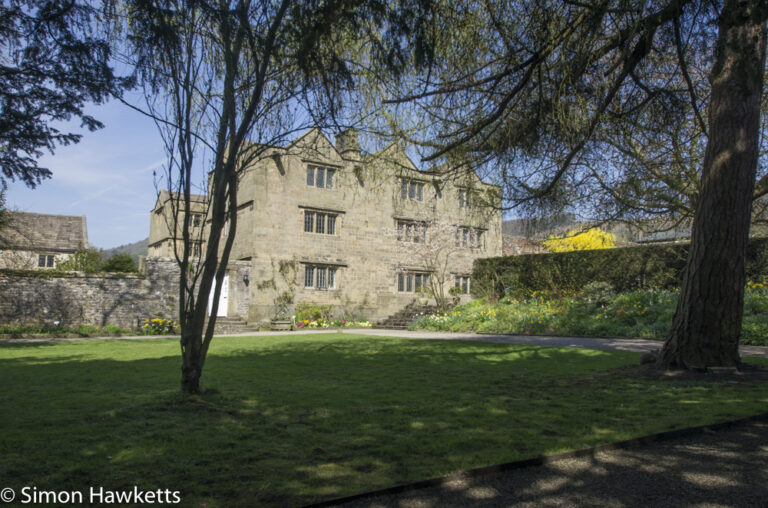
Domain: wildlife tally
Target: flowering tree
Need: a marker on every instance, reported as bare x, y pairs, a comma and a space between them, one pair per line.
591, 239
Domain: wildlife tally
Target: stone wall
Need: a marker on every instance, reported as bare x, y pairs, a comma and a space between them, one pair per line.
75, 299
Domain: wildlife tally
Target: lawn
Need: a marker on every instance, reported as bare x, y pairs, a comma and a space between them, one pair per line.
297, 419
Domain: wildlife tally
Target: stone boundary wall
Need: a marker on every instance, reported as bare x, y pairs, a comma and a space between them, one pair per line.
75, 299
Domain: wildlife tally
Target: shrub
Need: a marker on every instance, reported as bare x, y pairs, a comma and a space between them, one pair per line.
120, 262
591, 239
84, 260
597, 292
308, 311
159, 326
625, 269
113, 330
87, 330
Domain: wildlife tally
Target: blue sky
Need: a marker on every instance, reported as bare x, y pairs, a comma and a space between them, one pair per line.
107, 177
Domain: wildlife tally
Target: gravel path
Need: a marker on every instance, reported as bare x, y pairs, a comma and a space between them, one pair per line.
714, 469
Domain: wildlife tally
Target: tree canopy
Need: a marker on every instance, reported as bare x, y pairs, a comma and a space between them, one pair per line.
598, 107
52, 62
624, 108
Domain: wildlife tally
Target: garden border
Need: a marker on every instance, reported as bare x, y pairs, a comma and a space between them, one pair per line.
545, 459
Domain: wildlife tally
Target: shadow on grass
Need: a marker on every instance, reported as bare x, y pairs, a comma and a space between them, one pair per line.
295, 422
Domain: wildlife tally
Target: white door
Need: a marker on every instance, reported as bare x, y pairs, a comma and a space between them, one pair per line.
223, 298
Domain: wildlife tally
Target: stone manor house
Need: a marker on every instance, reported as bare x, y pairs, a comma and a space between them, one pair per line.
329, 225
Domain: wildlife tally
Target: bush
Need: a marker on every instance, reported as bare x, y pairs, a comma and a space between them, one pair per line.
308, 311
87, 330
113, 330
597, 292
625, 269
120, 262
591, 239
159, 326
84, 260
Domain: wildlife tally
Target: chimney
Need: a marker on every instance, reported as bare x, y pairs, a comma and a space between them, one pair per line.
348, 145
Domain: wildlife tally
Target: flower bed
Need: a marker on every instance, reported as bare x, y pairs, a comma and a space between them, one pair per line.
645, 313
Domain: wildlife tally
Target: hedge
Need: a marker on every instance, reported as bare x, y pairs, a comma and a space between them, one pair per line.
624, 268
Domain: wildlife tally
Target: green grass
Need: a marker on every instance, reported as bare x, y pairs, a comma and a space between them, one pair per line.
644, 313
25, 331
296, 419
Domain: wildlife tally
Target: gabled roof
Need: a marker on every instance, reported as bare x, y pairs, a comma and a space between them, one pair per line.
315, 140
38, 231
164, 196
393, 152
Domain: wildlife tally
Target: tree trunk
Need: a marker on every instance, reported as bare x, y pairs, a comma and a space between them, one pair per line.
191, 370
707, 324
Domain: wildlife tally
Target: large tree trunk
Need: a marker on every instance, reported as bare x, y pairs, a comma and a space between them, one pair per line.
707, 324
191, 370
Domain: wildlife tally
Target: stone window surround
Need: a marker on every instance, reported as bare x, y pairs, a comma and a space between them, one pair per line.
320, 273
470, 237
468, 198
409, 280
411, 230
320, 222
313, 168
412, 189
327, 212
46, 261
462, 281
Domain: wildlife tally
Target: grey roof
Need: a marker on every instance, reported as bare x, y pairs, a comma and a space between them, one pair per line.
37, 231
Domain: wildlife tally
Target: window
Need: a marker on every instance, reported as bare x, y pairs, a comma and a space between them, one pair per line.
412, 189
409, 231
311, 176
463, 198
45, 261
321, 178
318, 222
309, 276
467, 199
196, 220
320, 277
408, 282
196, 250
462, 282
469, 237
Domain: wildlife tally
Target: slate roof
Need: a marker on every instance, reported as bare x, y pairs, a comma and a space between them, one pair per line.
43, 232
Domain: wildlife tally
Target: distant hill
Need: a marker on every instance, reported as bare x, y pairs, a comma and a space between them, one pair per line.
135, 249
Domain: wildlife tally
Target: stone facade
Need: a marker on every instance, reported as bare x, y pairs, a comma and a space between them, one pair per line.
331, 226
162, 223
33, 241
74, 299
